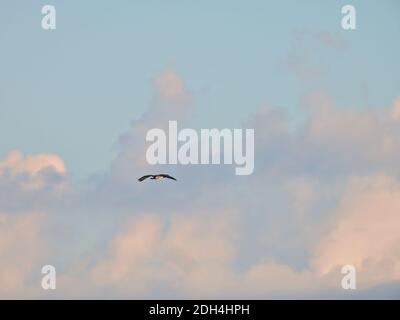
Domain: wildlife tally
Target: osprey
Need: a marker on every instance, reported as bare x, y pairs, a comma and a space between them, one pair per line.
156, 177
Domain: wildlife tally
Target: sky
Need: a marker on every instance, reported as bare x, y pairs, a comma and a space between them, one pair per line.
75, 106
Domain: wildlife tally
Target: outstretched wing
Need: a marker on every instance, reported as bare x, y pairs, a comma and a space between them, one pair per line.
167, 176
144, 177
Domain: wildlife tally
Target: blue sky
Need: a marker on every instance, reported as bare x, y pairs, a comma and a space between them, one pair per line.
87, 80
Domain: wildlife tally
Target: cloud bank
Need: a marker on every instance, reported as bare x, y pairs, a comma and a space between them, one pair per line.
324, 193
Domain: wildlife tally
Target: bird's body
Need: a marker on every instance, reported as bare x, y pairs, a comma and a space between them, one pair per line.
156, 177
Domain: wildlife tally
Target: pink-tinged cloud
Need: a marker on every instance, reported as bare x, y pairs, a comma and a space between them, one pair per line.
31, 167
396, 109
170, 85
352, 129
21, 250
365, 231
193, 256
152, 250
16, 163
130, 251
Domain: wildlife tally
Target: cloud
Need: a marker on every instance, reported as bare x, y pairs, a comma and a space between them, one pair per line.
33, 167
368, 137
170, 101
189, 256
365, 231
320, 191
17, 164
267, 248
22, 250
170, 93
26, 181
174, 251
396, 110
332, 140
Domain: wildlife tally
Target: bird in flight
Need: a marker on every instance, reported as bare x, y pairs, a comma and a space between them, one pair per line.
156, 177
